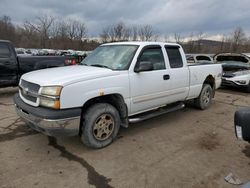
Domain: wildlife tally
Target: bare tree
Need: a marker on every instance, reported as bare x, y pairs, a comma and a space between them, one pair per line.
134, 31
28, 35
43, 26
81, 31
71, 26
116, 32
166, 38
145, 32
222, 43
105, 34
190, 43
238, 37
200, 37
6, 27
119, 30
76, 29
178, 38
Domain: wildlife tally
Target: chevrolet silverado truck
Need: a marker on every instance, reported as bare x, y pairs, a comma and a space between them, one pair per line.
117, 84
12, 67
236, 70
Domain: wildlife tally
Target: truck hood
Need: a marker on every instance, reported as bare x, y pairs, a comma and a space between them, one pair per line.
236, 57
67, 75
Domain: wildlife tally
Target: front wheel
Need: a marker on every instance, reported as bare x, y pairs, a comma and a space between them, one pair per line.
205, 98
101, 123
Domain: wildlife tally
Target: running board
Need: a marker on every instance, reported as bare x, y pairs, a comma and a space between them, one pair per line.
160, 111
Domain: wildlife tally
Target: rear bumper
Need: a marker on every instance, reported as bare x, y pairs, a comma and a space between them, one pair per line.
48, 121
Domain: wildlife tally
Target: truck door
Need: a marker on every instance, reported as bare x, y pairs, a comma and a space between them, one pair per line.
8, 66
179, 72
150, 89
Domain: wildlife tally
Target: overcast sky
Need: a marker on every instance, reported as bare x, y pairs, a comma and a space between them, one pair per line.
166, 16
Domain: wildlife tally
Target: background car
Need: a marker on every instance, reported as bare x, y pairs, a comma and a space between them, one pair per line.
236, 69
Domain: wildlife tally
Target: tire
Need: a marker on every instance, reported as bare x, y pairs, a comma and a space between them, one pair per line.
205, 98
101, 123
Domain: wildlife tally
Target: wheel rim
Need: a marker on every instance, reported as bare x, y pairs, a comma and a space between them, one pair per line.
206, 97
103, 127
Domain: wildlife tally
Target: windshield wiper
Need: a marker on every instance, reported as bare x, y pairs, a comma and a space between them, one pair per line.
99, 65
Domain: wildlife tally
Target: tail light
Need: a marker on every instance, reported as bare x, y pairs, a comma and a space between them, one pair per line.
67, 62
70, 62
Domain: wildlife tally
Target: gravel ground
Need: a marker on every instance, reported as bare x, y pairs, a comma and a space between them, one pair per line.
187, 148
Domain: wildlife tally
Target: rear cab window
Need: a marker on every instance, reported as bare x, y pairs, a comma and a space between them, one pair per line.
174, 56
4, 51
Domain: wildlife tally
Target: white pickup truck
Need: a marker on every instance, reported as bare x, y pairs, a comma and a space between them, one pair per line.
117, 84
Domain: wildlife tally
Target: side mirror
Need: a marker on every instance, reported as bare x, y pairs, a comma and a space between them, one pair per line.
144, 66
242, 124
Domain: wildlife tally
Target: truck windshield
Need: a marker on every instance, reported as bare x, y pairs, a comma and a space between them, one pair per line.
115, 57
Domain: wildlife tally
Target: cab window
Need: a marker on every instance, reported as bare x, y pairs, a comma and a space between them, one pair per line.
155, 56
4, 51
174, 56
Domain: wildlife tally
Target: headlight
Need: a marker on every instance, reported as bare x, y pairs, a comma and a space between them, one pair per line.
50, 96
243, 82
50, 103
239, 73
51, 90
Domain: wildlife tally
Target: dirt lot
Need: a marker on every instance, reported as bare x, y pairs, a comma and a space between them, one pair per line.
187, 148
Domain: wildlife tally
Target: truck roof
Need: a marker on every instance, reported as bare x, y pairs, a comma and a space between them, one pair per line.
141, 43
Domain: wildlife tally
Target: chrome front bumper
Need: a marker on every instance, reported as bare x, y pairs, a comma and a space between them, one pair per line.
58, 127
65, 122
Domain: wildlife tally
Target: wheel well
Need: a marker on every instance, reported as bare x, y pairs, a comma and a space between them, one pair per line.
115, 100
211, 81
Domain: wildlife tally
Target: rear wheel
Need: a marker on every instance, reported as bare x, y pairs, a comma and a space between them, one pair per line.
101, 123
205, 98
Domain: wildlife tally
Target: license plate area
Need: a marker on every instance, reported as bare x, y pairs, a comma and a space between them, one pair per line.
238, 130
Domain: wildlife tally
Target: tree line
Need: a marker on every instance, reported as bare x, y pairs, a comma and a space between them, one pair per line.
237, 42
48, 32
121, 32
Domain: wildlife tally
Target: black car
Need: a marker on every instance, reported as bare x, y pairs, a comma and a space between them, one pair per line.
12, 67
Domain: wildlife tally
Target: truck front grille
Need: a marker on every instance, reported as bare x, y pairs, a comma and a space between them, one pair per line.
31, 86
29, 90
28, 97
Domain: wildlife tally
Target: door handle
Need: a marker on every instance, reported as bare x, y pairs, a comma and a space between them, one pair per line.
166, 77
